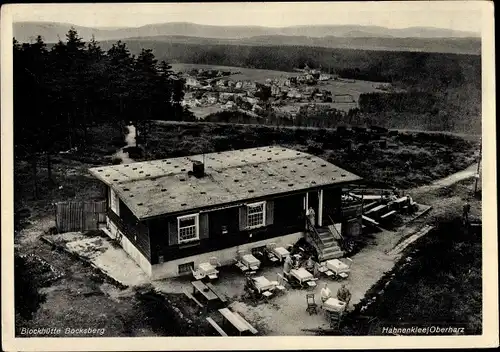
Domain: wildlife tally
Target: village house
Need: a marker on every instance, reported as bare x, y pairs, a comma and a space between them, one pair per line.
170, 215
249, 85
324, 77
230, 105
294, 94
251, 100
192, 82
275, 91
225, 96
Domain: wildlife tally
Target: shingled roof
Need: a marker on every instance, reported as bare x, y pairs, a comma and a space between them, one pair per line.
157, 187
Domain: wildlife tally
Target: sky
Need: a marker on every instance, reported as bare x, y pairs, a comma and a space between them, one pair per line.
457, 15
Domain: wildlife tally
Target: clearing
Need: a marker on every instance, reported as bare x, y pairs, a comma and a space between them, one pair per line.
241, 73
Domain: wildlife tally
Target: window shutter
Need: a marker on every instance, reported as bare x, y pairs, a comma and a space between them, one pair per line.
203, 226
173, 235
243, 218
269, 212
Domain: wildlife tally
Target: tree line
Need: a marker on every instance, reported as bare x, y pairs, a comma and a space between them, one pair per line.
59, 93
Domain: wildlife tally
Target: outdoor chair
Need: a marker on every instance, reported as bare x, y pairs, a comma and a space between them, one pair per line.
198, 275
334, 318
279, 284
271, 246
214, 262
311, 304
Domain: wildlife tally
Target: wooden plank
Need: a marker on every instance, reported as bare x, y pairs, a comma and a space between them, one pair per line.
392, 212
377, 208
216, 327
204, 290
231, 317
217, 293
370, 220
249, 326
191, 297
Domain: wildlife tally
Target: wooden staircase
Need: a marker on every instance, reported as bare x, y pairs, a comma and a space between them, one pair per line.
328, 248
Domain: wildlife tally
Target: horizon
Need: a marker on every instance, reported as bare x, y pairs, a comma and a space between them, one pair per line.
242, 25
464, 16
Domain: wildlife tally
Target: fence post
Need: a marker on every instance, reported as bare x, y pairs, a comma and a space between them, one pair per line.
55, 213
82, 226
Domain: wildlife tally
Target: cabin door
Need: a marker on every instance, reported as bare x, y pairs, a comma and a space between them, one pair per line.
313, 201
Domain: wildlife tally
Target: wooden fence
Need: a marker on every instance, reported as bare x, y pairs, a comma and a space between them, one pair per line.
80, 216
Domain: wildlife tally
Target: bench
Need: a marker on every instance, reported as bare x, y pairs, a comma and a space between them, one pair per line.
387, 215
250, 327
216, 327
217, 293
234, 320
192, 298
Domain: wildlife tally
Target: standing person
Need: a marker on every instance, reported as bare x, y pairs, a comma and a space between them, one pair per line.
311, 215
344, 295
465, 215
287, 266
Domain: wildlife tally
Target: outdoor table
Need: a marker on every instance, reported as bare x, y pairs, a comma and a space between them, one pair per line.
281, 253
203, 289
333, 305
250, 261
239, 324
302, 275
337, 266
207, 268
262, 284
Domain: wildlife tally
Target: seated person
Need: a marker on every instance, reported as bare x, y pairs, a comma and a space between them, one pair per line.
325, 293
344, 295
310, 264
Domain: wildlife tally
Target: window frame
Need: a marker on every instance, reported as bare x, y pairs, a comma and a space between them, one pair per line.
252, 205
190, 264
114, 201
196, 224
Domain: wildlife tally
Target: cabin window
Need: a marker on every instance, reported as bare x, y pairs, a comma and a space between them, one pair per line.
256, 215
188, 228
185, 268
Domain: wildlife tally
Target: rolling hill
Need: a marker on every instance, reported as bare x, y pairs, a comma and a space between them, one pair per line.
352, 36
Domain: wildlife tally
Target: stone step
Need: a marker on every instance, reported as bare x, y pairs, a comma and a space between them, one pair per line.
328, 241
334, 255
332, 245
331, 249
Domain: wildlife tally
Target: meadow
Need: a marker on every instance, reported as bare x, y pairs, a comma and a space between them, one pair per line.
242, 73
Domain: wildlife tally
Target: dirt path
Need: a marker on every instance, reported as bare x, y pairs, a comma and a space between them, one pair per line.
452, 179
130, 140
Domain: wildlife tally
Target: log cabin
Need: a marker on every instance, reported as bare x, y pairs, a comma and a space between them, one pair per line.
170, 215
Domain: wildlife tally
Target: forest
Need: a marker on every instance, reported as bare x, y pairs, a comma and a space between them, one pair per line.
61, 92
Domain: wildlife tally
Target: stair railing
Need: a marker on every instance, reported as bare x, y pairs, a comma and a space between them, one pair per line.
311, 230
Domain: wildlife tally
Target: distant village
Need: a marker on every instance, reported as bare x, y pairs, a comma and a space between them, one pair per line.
205, 87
